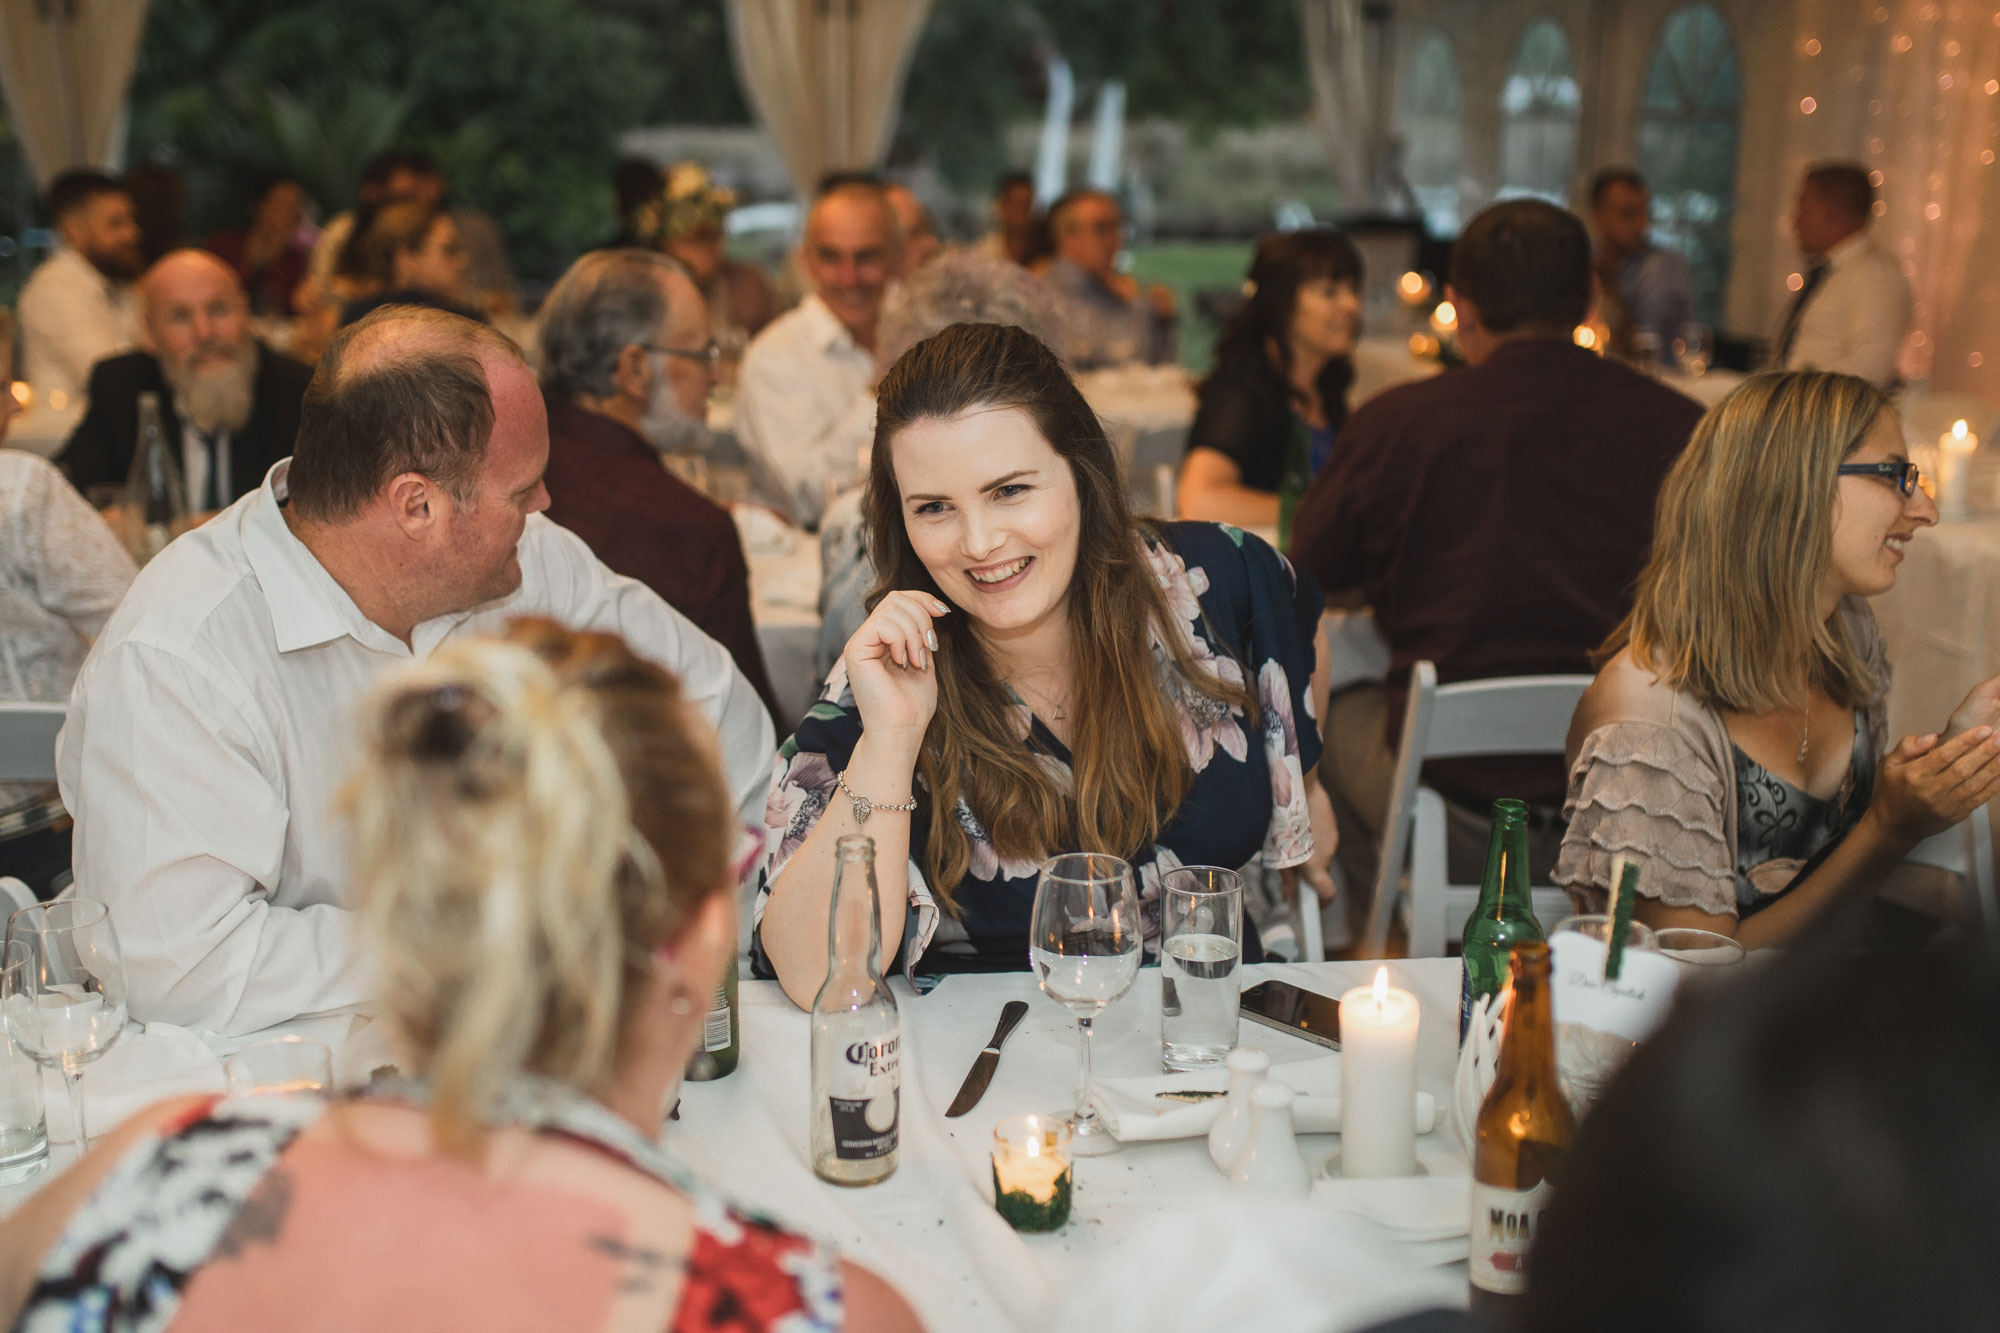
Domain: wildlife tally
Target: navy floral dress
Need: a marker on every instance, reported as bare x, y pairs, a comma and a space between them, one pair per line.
1248, 618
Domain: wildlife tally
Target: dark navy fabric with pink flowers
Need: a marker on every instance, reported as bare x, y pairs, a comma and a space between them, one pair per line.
1249, 619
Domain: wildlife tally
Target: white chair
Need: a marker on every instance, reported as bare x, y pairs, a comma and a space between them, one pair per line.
1967, 851
1509, 715
28, 741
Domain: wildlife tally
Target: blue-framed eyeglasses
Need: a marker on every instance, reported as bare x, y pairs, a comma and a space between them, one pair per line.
1905, 475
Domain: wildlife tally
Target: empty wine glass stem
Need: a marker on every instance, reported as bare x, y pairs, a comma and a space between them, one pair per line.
1083, 1111
71, 1073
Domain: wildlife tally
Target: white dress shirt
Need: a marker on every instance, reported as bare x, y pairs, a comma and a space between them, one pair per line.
1857, 319
214, 721
72, 317
798, 386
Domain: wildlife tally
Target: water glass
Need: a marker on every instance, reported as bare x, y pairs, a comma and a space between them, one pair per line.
1201, 948
66, 1006
1587, 1056
1703, 957
24, 1129
280, 1064
1085, 943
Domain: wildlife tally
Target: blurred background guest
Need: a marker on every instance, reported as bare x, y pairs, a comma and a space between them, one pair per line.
1809, 1149
626, 368
1853, 307
1643, 288
1737, 739
1017, 234
61, 572
556, 800
683, 219
270, 255
408, 174
635, 181
78, 306
1488, 523
802, 374
159, 203
230, 404
1282, 367
1107, 319
407, 253
959, 288
916, 234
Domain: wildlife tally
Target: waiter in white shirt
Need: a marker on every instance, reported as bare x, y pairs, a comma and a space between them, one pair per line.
78, 306
802, 376
211, 726
1852, 311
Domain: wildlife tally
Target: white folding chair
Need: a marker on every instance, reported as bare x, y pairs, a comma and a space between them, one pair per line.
28, 741
1508, 715
1967, 851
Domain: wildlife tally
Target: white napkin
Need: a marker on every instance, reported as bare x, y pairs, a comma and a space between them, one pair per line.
147, 1065
1135, 1114
1411, 1209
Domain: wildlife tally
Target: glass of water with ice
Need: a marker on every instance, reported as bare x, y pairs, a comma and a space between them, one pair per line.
1201, 944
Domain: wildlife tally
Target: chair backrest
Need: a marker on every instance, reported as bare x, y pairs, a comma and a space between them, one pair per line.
1506, 715
28, 741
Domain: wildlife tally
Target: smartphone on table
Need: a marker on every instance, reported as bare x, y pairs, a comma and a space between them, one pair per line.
1303, 1013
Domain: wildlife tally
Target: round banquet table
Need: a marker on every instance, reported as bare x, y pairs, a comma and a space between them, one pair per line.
928, 1229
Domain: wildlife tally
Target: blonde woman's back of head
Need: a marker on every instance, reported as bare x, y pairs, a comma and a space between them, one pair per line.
1729, 604
532, 817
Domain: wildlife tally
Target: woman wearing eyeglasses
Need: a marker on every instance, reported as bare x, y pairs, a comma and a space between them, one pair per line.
1735, 741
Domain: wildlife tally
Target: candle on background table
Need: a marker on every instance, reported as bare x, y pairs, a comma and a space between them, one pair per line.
1444, 319
1955, 449
1032, 1178
1378, 1080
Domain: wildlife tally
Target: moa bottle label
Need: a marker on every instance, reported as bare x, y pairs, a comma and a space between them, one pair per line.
1504, 1225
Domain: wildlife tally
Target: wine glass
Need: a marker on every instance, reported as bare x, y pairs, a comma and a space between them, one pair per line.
67, 1006
1086, 944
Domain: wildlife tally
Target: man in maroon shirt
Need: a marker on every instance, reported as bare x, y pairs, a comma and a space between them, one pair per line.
626, 359
1495, 519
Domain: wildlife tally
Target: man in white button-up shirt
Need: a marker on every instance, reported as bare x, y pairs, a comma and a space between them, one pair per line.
1852, 311
803, 377
212, 724
78, 306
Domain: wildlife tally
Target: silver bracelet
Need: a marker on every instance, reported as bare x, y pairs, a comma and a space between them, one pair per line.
863, 807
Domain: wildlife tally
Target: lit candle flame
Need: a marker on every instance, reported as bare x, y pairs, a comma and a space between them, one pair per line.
1381, 987
1958, 429
1585, 336
1446, 315
1035, 1146
1411, 282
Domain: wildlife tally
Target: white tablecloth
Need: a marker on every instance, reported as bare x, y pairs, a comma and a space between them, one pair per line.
42, 430
926, 1228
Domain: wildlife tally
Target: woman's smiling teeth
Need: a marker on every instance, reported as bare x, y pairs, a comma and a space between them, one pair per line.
1895, 543
999, 573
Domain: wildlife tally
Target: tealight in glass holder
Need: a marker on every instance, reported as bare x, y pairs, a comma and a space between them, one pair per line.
1032, 1174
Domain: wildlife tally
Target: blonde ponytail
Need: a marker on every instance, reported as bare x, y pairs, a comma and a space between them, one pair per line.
505, 893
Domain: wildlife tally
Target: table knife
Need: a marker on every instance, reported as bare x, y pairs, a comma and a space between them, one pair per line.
988, 1060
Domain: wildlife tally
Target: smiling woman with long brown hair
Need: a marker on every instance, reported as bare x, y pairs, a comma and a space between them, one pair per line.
1046, 670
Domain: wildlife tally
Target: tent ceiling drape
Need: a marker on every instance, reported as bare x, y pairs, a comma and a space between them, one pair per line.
65, 66
825, 77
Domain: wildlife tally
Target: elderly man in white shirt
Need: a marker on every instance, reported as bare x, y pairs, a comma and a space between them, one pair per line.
211, 726
78, 306
1852, 311
803, 376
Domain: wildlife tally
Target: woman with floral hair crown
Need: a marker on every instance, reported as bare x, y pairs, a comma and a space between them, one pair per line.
1040, 672
685, 220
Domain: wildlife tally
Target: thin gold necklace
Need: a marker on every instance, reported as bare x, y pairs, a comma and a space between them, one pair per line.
1805, 730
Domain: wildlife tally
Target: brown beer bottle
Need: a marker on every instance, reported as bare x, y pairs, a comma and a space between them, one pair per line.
1524, 1126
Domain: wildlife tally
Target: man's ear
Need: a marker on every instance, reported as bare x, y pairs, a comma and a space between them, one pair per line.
416, 503
633, 374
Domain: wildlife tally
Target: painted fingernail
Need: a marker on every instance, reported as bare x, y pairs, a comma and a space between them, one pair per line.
942, 609
930, 637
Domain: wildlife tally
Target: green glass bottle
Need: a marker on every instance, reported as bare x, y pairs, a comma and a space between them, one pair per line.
1292, 482
1506, 912
720, 1038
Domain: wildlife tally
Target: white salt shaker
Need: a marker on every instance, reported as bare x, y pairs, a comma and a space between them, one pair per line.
1270, 1163
1247, 1068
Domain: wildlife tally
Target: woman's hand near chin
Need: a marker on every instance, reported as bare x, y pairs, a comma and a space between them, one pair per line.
892, 666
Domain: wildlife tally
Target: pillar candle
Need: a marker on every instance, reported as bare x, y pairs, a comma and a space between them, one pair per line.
1378, 1080
1955, 448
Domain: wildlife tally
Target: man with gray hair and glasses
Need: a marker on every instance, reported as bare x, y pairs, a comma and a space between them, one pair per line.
626, 369
212, 724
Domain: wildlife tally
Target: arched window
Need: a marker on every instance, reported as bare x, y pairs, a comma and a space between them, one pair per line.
1431, 109
1539, 105
1687, 144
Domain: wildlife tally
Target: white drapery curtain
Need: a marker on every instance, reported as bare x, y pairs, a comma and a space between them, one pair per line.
1336, 61
826, 77
65, 66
